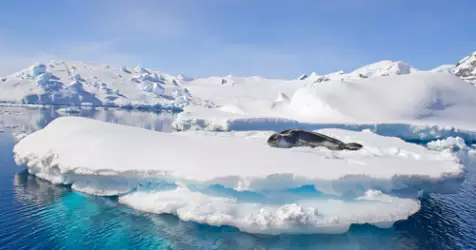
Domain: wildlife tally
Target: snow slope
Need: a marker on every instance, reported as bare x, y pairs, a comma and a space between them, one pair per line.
75, 83
410, 97
421, 98
244, 95
236, 179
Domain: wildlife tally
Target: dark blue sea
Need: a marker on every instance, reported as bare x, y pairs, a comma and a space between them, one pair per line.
35, 214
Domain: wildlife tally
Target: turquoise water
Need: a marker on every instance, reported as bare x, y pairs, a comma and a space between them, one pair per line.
35, 214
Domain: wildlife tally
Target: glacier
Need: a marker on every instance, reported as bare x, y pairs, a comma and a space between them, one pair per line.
80, 83
421, 105
234, 178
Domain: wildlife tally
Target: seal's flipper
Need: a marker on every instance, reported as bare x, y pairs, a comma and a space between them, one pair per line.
352, 146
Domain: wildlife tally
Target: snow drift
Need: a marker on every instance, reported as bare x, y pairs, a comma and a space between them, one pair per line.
236, 179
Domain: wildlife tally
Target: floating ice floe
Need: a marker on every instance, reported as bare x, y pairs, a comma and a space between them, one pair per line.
236, 179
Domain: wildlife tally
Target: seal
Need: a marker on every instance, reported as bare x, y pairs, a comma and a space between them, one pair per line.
299, 138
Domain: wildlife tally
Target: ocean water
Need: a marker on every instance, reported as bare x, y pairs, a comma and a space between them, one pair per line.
36, 214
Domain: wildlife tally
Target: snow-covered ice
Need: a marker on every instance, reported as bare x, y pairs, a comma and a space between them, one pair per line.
234, 178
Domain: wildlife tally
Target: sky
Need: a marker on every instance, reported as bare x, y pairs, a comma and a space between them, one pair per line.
270, 38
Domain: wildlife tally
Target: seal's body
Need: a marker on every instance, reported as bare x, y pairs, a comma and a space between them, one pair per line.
299, 138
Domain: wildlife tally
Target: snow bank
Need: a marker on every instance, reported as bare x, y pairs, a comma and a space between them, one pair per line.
236, 179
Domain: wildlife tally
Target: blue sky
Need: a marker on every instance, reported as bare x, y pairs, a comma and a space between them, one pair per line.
271, 38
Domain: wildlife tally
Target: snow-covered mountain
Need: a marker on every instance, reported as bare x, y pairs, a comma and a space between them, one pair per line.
75, 83
447, 68
466, 68
382, 68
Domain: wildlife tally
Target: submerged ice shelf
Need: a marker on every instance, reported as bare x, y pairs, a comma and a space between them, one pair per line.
234, 178
299, 217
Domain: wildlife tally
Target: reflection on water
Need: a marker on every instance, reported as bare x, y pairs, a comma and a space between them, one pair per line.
32, 190
38, 214
28, 120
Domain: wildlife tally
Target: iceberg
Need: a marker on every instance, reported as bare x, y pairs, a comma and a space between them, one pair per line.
236, 179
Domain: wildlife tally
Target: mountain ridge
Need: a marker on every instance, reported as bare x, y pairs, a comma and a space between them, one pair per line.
98, 84
464, 69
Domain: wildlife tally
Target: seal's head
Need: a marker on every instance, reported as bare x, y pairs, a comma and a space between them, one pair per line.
280, 141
